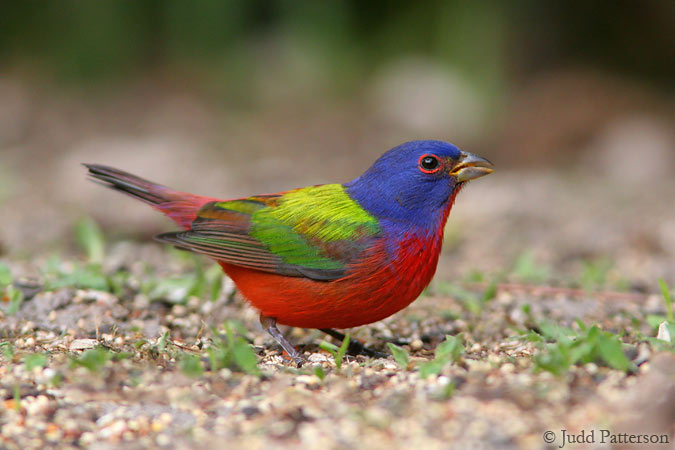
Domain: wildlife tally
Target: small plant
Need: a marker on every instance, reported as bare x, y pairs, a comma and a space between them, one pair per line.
401, 356
8, 351
58, 274
665, 325
191, 365
337, 352
447, 352
34, 360
93, 359
233, 352
475, 276
472, 301
9, 293
444, 392
594, 273
665, 291
660, 321
161, 342
528, 270
88, 276
5, 276
15, 297
90, 238
56, 380
560, 348
177, 289
17, 397
318, 371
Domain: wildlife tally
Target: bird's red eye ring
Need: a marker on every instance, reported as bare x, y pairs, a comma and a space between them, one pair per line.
429, 163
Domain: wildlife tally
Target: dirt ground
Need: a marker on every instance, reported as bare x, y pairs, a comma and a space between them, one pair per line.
142, 394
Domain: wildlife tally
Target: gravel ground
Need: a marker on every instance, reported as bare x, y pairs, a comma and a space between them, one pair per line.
141, 394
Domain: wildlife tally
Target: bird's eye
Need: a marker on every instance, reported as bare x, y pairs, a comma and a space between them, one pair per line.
429, 164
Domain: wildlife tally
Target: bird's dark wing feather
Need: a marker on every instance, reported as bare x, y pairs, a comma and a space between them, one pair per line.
314, 232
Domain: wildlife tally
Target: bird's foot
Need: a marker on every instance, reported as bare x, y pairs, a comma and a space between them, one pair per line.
355, 347
270, 325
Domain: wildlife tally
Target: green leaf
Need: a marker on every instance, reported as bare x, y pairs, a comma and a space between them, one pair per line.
569, 348
470, 300
161, 343
337, 352
433, 367
34, 360
444, 392
17, 398
450, 349
490, 292
610, 350
594, 273
552, 358
5, 275
191, 365
15, 300
245, 357
318, 371
233, 352
219, 357
529, 270
654, 320
122, 356
56, 380
553, 331
174, 289
89, 276
342, 351
475, 276
401, 356
328, 347
90, 239
93, 359
8, 351
447, 352
532, 336
333, 350
667, 298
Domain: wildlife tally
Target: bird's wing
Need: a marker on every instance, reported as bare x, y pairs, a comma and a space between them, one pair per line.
313, 232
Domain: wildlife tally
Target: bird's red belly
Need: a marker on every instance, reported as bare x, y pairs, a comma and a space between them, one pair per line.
372, 293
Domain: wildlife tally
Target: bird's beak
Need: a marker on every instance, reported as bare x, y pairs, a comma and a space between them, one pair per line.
470, 166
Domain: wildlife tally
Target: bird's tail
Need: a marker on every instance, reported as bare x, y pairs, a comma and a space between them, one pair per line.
181, 207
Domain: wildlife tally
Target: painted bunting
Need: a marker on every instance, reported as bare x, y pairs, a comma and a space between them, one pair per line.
327, 256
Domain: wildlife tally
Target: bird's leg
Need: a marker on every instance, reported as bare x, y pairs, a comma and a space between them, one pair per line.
270, 325
355, 347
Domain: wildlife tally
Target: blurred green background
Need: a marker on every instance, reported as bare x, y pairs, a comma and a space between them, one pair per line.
572, 100
490, 42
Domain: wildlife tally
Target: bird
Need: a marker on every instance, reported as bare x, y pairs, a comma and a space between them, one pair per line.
329, 256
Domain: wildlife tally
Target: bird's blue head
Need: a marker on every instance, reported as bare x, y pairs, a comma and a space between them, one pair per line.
413, 183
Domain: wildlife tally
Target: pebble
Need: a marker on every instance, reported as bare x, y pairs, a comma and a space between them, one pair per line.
317, 358
83, 344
